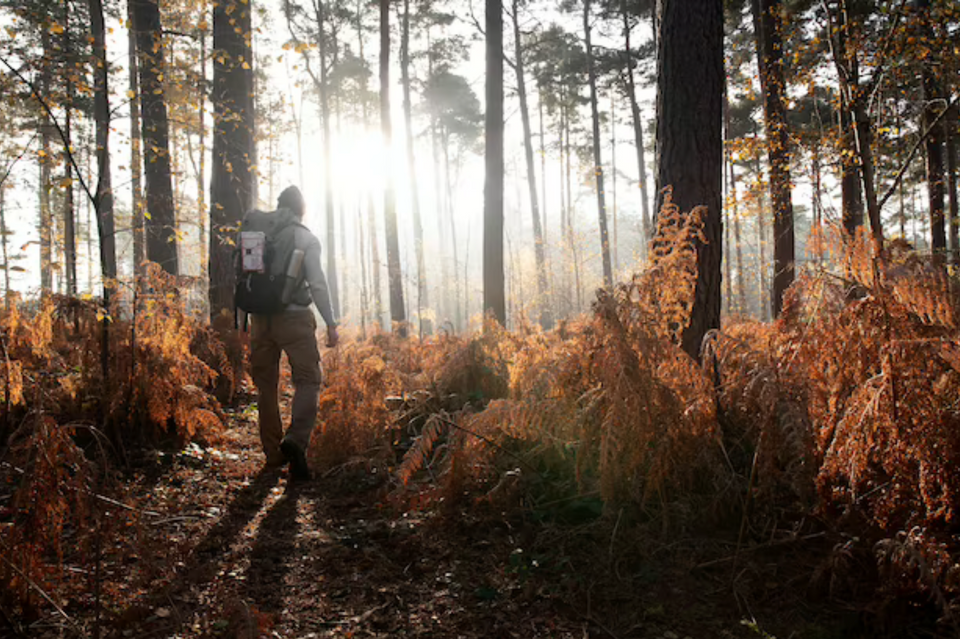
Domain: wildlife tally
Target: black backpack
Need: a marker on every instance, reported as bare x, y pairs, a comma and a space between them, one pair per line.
266, 242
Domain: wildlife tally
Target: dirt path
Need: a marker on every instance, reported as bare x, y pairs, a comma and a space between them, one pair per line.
233, 552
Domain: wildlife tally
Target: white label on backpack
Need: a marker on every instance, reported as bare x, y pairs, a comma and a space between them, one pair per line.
252, 244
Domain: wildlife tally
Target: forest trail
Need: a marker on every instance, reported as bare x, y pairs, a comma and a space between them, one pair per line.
232, 551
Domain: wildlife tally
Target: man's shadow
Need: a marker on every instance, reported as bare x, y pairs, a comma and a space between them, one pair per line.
203, 563
274, 552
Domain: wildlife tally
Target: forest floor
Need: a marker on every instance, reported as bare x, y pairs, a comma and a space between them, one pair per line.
223, 549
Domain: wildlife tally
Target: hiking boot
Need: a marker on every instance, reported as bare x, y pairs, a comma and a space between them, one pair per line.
299, 471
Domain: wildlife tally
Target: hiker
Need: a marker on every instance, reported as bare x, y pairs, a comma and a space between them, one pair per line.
279, 252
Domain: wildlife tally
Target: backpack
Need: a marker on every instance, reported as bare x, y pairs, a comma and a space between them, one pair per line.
267, 241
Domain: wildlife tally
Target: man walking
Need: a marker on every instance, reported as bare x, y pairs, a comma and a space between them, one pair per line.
293, 331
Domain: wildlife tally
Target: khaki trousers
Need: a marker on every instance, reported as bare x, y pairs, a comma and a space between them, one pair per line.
294, 333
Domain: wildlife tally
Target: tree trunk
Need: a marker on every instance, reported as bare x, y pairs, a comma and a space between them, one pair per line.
423, 295
398, 314
136, 210
69, 214
202, 170
637, 125
6, 257
460, 313
324, 94
597, 160
936, 184
545, 319
613, 185
46, 216
951, 128
161, 223
689, 125
103, 194
850, 181
231, 179
737, 238
767, 24
494, 298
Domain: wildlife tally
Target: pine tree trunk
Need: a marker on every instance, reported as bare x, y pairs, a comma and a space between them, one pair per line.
202, 161
234, 146
597, 159
690, 79
423, 292
459, 315
103, 194
936, 184
545, 319
69, 214
137, 217
494, 296
637, 126
738, 239
161, 240
767, 21
398, 314
324, 91
6, 256
951, 129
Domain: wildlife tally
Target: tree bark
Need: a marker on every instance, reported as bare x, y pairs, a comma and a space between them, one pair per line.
231, 179
597, 160
324, 94
545, 319
767, 21
494, 298
936, 184
161, 222
690, 140
136, 157
423, 292
951, 128
398, 313
103, 193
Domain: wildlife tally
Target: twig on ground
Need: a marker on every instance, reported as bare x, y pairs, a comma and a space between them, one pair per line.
773, 544
43, 594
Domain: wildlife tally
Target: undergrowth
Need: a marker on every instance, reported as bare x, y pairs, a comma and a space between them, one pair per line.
841, 418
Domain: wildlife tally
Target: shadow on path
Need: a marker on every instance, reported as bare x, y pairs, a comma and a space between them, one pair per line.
274, 552
203, 562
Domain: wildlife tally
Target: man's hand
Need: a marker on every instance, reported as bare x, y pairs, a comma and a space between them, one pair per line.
333, 337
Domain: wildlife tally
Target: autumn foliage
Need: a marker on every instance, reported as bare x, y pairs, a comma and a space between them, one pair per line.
844, 412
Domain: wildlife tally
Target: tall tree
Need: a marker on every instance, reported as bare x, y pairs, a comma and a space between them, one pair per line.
137, 218
494, 294
546, 318
232, 177
597, 160
767, 21
423, 296
936, 184
690, 82
637, 122
398, 313
161, 218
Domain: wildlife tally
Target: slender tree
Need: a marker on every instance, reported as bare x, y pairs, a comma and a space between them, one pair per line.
936, 183
161, 219
232, 178
767, 21
398, 313
597, 159
423, 295
689, 125
494, 295
546, 319
137, 218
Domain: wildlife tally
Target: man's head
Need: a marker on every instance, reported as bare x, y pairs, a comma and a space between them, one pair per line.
292, 199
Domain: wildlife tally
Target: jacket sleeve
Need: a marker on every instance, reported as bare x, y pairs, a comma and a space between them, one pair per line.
317, 281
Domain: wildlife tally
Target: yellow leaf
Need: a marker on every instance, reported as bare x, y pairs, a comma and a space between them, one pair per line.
246, 65
131, 94
56, 28
146, 214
